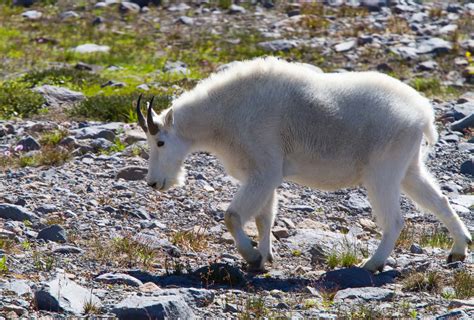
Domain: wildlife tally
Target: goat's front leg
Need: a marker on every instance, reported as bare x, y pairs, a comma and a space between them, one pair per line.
247, 203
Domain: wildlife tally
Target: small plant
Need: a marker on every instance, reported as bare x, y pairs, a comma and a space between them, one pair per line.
118, 146
195, 240
53, 138
296, 253
429, 86
254, 308
463, 284
328, 297
6, 245
43, 261
3, 265
347, 257
90, 307
436, 238
430, 282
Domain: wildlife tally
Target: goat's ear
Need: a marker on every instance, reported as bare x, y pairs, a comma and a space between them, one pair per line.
169, 119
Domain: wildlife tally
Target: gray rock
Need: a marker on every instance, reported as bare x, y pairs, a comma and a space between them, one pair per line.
415, 248
118, 278
434, 45
354, 278
16, 213
220, 273
429, 65
69, 15
462, 110
154, 307
374, 5
406, 52
19, 287
454, 315
57, 96
100, 144
29, 144
91, 48
32, 14
358, 203
345, 46
367, 294
132, 173
466, 147
94, 132
144, 3
236, 9
179, 7
129, 7
467, 167
46, 208
185, 20
176, 67
465, 123
54, 233
62, 294
278, 45
67, 250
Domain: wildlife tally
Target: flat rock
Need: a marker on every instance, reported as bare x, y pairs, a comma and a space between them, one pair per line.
94, 132
454, 315
132, 173
434, 45
54, 233
32, 15
345, 46
62, 294
465, 123
19, 287
16, 213
354, 277
57, 96
119, 278
91, 48
154, 307
365, 293
129, 7
178, 67
358, 203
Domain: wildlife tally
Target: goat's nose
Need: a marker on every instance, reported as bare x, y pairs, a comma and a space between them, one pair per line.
152, 184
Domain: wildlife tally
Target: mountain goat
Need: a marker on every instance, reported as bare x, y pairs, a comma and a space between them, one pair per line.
268, 120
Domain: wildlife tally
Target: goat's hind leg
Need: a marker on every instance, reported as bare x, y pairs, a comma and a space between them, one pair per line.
264, 223
421, 188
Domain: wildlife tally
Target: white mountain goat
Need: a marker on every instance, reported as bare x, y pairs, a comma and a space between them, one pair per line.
268, 120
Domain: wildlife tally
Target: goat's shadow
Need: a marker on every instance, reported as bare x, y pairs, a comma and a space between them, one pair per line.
219, 275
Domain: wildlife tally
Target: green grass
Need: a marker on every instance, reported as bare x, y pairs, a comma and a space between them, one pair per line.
430, 281
463, 284
347, 256
17, 100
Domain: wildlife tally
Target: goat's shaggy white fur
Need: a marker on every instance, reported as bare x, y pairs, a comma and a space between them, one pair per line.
268, 120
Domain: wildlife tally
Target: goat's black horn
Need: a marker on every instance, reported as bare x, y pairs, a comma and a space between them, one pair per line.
152, 126
141, 118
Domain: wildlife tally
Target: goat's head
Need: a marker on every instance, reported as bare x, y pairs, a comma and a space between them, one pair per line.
167, 149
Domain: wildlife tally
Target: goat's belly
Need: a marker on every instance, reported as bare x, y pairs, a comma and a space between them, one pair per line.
325, 175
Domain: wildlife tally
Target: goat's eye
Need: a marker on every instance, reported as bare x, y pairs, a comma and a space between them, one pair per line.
160, 143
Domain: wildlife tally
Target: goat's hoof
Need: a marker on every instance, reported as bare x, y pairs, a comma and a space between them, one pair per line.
270, 258
371, 266
453, 257
256, 265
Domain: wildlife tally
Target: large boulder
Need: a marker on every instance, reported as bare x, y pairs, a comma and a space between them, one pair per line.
57, 96
154, 307
64, 295
16, 213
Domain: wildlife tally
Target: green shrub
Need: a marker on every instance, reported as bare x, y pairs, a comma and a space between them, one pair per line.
120, 107
18, 100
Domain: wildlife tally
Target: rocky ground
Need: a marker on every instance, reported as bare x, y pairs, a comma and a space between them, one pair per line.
82, 235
